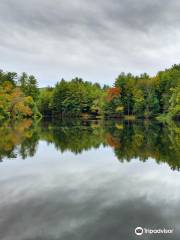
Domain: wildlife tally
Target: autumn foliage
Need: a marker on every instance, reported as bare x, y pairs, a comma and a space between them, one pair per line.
13, 103
112, 141
113, 93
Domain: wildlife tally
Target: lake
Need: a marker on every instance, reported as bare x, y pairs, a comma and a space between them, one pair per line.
89, 180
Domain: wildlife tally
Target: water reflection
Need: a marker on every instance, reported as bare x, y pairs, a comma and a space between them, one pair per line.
142, 140
18, 138
72, 187
89, 198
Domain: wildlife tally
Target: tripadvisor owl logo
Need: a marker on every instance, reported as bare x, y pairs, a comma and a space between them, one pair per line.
139, 231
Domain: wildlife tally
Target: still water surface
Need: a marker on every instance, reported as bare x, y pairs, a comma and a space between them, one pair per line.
88, 180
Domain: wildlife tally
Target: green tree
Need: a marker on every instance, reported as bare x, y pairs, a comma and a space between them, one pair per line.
174, 108
29, 86
45, 101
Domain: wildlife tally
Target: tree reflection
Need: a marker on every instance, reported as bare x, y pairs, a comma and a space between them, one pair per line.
146, 140
18, 138
142, 140
75, 137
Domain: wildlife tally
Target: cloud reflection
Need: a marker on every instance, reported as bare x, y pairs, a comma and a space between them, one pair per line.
86, 197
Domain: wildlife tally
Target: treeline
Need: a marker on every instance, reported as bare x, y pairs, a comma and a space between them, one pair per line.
148, 97
133, 96
72, 98
136, 96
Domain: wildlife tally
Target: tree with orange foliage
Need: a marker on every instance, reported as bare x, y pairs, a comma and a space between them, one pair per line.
113, 92
113, 106
13, 103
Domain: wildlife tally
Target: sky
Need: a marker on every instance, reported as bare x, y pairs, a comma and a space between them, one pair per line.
92, 39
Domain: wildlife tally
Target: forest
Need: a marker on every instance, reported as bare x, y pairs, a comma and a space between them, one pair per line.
130, 97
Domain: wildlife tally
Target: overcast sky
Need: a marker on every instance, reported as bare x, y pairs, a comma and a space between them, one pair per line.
92, 39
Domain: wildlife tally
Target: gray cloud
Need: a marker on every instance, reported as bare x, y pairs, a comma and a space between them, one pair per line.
93, 39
